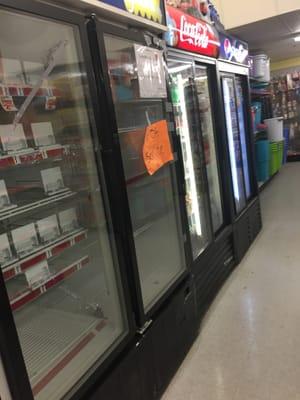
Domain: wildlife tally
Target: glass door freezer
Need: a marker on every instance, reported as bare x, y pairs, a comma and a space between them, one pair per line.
246, 214
192, 102
58, 258
238, 142
139, 116
197, 108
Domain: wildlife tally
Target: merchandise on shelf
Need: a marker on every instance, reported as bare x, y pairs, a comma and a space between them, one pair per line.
286, 103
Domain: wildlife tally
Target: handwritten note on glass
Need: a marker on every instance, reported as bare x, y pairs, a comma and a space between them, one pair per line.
157, 150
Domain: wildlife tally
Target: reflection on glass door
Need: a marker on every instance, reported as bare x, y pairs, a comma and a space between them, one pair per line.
185, 107
153, 199
204, 100
242, 127
56, 254
235, 151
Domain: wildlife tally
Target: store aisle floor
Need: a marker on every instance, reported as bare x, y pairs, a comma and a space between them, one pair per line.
249, 344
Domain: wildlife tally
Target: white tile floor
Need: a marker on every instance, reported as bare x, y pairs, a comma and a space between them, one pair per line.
249, 344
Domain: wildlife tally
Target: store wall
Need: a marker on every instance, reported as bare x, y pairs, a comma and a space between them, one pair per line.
235, 13
285, 65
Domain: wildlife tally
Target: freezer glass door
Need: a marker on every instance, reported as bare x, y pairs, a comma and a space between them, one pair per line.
204, 101
188, 127
56, 247
152, 195
242, 127
235, 152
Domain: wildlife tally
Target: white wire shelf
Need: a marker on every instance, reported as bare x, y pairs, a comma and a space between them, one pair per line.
50, 337
12, 212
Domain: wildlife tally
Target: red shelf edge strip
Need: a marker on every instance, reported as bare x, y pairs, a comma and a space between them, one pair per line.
36, 155
14, 270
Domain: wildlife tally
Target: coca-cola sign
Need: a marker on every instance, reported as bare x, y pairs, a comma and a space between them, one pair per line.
189, 33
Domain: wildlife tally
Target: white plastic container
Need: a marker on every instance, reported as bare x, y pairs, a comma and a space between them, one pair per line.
274, 128
261, 67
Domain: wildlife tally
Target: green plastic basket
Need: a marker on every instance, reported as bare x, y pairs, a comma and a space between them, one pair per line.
280, 154
273, 160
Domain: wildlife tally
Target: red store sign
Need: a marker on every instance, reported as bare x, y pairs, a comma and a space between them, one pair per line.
191, 34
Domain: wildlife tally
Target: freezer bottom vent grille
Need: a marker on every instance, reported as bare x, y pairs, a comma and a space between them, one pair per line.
210, 279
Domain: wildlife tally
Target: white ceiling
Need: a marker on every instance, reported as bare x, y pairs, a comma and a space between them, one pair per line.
273, 36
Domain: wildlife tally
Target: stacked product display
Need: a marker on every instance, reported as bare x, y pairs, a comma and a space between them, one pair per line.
268, 131
285, 90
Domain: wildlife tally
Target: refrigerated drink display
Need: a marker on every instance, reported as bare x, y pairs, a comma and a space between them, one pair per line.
188, 127
57, 251
153, 197
242, 128
204, 100
235, 151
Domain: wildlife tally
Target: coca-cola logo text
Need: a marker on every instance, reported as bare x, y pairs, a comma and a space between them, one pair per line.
195, 34
192, 34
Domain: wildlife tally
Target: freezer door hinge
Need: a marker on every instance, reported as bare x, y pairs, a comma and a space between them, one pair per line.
169, 107
171, 126
228, 261
145, 327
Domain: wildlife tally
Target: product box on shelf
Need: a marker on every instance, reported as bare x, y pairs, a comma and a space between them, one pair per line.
11, 72
5, 250
25, 239
48, 228
68, 220
5, 203
53, 181
43, 134
37, 274
13, 139
33, 72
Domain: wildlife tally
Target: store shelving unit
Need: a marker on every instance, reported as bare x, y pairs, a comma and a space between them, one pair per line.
286, 102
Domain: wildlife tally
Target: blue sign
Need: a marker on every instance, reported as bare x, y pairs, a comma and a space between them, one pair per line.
233, 49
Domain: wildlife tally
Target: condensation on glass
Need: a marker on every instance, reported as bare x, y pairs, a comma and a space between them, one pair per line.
233, 135
206, 113
153, 199
57, 259
189, 130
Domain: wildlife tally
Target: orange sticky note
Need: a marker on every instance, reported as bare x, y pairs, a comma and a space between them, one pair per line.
157, 150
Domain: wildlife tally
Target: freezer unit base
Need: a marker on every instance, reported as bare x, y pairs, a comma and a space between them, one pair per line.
147, 368
246, 228
212, 270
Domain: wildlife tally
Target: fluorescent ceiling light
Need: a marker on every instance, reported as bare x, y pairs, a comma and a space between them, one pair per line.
297, 38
